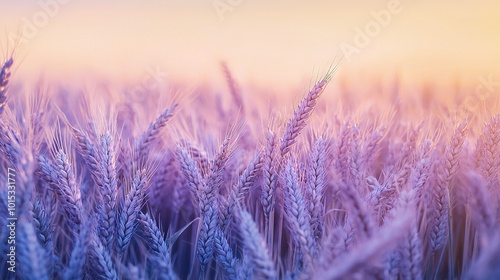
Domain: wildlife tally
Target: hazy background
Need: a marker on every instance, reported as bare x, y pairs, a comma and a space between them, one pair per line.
277, 43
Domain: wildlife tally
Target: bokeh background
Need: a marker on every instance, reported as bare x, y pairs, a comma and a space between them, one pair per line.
280, 44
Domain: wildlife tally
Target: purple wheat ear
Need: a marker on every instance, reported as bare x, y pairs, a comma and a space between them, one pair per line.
67, 190
108, 189
4, 82
446, 169
151, 135
297, 215
255, 248
297, 123
159, 257
129, 211
225, 256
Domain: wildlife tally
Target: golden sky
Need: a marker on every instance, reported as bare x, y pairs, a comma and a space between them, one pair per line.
268, 42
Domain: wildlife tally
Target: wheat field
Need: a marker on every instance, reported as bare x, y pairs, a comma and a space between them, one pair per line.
228, 186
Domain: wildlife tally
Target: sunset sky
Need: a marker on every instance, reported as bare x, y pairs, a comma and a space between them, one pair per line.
266, 42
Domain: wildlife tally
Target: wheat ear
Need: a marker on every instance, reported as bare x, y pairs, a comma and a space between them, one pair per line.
297, 214
159, 248
67, 189
4, 83
256, 247
127, 219
316, 181
297, 123
269, 173
441, 197
225, 256
108, 190
152, 133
